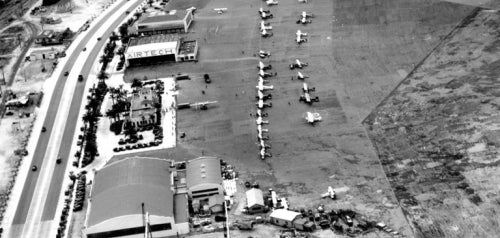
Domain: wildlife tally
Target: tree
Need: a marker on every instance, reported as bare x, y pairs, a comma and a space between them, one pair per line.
136, 83
123, 30
129, 129
102, 75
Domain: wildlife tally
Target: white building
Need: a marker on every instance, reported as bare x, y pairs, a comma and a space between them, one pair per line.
178, 22
255, 201
204, 183
285, 218
42, 53
125, 191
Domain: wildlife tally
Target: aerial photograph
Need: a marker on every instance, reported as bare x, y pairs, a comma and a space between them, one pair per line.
249, 118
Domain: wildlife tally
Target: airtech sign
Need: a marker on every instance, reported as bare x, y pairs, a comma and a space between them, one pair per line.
149, 53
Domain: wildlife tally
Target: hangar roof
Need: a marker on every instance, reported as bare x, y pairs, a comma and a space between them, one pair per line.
203, 170
121, 187
162, 18
161, 38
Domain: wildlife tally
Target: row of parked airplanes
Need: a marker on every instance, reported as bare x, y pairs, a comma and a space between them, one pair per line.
265, 28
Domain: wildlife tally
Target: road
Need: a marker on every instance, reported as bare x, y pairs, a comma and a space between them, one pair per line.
50, 205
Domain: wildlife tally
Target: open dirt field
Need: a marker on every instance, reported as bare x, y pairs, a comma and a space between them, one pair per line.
358, 51
437, 135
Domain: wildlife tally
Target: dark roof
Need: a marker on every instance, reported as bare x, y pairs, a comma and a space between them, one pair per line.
154, 39
121, 187
187, 47
161, 18
203, 170
181, 208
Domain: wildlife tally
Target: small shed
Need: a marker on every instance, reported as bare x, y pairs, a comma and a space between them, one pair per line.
285, 218
303, 224
42, 53
255, 201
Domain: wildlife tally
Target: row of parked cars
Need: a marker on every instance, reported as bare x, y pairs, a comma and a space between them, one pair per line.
137, 146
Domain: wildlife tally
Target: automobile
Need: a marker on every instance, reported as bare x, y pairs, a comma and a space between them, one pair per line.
9, 113
135, 146
44, 129
145, 145
98, 38
80, 77
59, 160
84, 48
116, 149
121, 149
122, 142
140, 145
247, 184
128, 147
66, 73
152, 143
34, 168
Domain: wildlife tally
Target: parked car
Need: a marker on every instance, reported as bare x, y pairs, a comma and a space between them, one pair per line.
66, 73
34, 168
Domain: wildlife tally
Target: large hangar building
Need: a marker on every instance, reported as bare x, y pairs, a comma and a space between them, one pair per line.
165, 24
154, 49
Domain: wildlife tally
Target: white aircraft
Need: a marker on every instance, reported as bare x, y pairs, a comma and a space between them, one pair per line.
264, 154
264, 74
312, 117
264, 54
261, 104
202, 105
305, 88
331, 193
307, 98
265, 33
261, 114
192, 9
261, 87
260, 133
263, 145
265, 26
261, 10
301, 76
300, 33
298, 64
220, 10
259, 121
304, 18
299, 38
260, 129
264, 15
271, 2
262, 66
303, 1
262, 96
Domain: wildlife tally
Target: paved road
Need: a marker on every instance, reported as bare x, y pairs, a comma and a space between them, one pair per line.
64, 150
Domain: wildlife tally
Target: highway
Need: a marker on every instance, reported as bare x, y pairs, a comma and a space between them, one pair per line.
39, 155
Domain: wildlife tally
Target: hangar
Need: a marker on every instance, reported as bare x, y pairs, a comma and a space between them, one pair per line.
128, 192
165, 24
204, 184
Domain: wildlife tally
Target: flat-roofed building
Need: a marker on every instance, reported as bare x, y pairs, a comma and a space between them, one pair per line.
178, 22
125, 190
152, 49
204, 183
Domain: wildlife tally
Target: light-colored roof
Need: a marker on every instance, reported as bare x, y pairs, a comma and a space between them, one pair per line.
162, 18
283, 214
203, 170
121, 187
254, 197
160, 38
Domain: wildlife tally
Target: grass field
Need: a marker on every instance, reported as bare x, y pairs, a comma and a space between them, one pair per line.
358, 51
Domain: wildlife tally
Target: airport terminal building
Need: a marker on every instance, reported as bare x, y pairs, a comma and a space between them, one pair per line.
160, 48
165, 24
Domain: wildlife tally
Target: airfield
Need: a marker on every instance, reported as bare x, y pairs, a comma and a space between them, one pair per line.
358, 52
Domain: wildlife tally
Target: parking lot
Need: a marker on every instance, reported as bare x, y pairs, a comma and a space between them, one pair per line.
357, 53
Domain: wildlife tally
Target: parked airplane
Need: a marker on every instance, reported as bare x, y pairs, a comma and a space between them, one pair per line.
220, 10
261, 10
263, 145
312, 117
265, 26
262, 96
298, 64
265, 33
271, 2
264, 15
261, 87
264, 74
261, 104
202, 105
262, 66
303, 1
264, 154
259, 113
192, 9
331, 193
307, 98
259, 121
264, 54
305, 88
301, 76
304, 18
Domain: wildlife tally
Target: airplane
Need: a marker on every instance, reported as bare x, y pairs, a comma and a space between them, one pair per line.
260, 133
331, 193
298, 64
265, 15
261, 10
301, 76
261, 114
264, 154
220, 10
303, 1
264, 74
264, 54
307, 98
261, 104
271, 2
261, 87
202, 105
305, 88
299, 38
262, 96
192, 9
304, 18
265, 26
312, 117
259, 121
265, 33
263, 145
262, 66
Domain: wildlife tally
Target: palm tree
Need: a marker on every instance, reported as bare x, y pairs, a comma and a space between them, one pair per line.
102, 75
